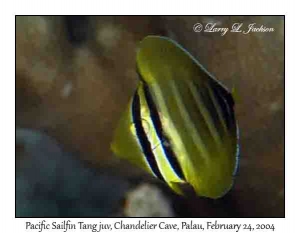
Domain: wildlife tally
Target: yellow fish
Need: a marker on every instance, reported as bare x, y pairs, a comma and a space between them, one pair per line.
180, 124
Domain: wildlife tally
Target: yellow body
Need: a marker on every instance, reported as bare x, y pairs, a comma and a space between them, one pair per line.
196, 115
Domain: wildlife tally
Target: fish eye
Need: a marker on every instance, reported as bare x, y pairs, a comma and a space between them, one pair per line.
146, 127
166, 140
166, 143
149, 134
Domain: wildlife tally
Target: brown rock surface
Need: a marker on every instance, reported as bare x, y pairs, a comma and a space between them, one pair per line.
76, 93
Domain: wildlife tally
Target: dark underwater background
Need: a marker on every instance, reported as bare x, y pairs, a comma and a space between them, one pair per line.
74, 77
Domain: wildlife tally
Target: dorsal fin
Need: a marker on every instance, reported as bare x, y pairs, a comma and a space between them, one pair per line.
160, 58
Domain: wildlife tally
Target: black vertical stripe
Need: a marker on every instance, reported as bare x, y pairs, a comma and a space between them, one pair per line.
142, 137
226, 103
159, 130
